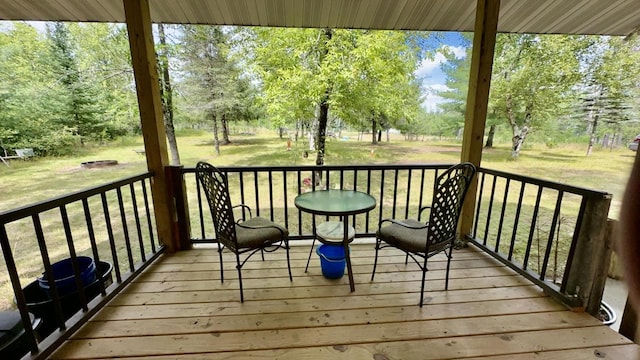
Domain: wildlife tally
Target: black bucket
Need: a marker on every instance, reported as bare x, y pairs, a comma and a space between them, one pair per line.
41, 305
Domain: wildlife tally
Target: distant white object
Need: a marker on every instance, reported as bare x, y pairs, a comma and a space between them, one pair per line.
20, 154
24, 153
633, 146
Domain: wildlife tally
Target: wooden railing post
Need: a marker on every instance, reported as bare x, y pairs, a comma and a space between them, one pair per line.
586, 272
180, 220
147, 88
484, 41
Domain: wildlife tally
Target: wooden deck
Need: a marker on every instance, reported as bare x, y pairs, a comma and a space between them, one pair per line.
179, 309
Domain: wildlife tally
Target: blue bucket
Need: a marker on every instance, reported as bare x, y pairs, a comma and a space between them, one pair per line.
332, 260
65, 281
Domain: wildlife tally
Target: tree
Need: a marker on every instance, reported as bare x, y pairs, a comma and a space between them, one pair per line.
30, 108
209, 76
350, 75
166, 94
609, 90
103, 55
81, 111
533, 80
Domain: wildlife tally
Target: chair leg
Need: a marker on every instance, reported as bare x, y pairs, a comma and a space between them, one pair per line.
262, 254
221, 268
406, 258
239, 267
375, 259
446, 281
310, 252
286, 246
424, 274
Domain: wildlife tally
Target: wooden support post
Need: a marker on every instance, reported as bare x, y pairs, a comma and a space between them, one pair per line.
484, 41
180, 222
629, 325
146, 74
586, 272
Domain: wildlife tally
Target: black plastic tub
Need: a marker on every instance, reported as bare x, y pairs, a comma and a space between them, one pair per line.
14, 342
41, 305
64, 278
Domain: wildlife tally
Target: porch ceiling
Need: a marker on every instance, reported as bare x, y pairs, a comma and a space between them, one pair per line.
613, 17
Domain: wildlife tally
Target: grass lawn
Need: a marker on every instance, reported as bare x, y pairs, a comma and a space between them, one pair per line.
27, 182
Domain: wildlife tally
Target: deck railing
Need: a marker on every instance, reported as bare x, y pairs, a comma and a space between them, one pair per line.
553, 234
112, 224
400, 190
546, 231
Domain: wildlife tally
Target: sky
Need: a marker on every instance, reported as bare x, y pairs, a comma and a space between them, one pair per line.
429, 71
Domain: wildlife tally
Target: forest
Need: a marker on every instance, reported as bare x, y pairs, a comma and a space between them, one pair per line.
66, 85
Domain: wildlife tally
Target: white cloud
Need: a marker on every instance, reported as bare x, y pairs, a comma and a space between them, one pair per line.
427, 66
459, 51
433, 79
431, 100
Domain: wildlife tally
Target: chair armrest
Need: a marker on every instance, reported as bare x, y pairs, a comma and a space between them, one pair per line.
421, 210
244, 207
394, 221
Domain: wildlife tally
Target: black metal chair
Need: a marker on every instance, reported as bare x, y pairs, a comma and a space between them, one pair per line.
421, 240
242, 236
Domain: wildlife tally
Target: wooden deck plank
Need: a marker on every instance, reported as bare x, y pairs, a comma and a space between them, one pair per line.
245, 322
274, 289
211, 255
359, 266
309, 304
518, 343
618, 352
435, 281
179, 309
216, 341
411, 273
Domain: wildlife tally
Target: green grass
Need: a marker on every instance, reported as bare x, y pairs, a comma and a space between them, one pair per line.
30, 181
27, 182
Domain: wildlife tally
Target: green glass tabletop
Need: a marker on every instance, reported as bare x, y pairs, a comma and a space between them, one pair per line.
335, 202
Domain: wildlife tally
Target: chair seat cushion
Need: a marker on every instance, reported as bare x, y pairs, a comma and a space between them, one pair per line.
413, 240
256, 238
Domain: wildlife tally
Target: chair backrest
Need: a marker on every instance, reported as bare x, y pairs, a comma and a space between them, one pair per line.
451, 188
214, 184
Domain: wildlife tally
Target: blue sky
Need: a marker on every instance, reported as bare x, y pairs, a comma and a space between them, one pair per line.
433, 79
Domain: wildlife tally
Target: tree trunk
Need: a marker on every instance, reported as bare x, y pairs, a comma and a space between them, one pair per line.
374, 139
323, 115
225, 130
519, 135
216, 142
387, 135
592, 138
166, 95
322, 129
492, 133
519, 132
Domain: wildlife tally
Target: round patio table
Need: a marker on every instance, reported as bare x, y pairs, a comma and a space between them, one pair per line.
337, 203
